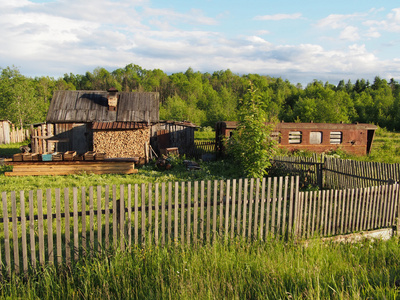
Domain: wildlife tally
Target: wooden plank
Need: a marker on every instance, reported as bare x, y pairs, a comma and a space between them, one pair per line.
304, 197
143, 214
163, 213
169, 211
58, 225
99, 223
195, 211
31, 229
83, 221
91, 219
250, 218
227, 197
189, 211
156, 225
176, 215
309, 215
202, 210
136, 214
291, 200
67, 227
107, 217
23, 233
41, 227
183, 213
122, 216
240, 183
221, 205
278, 223
274, 200
342, 200
76, 229
215, 205
268, 203
208, 222
245, 202
313, 200
234, 206
15, 231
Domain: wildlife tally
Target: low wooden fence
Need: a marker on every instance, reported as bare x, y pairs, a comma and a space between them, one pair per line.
336, 173
203, 150
62, 225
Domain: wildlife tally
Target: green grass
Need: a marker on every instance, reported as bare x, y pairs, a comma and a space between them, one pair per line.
209, 171
235, 270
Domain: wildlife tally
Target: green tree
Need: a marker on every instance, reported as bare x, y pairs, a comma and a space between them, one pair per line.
250, 144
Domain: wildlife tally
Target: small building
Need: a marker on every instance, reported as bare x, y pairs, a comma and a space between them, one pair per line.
316, 137
120, 124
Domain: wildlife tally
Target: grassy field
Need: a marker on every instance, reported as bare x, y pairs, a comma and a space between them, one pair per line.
236, 270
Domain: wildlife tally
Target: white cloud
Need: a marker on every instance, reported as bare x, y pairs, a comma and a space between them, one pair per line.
278, 17
350, 33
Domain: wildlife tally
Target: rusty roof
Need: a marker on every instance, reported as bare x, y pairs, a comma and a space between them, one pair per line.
118, 125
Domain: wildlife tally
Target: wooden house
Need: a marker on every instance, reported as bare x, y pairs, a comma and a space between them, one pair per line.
120, 124
316, 137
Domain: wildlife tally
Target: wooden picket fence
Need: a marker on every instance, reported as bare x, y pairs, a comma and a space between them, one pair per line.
336, 173
61, 226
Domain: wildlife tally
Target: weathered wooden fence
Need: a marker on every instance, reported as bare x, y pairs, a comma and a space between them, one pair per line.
10, 134
62, 225
336, 173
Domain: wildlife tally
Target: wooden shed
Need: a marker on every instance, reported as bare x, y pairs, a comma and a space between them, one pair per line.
104, 121
118, 124
316, 137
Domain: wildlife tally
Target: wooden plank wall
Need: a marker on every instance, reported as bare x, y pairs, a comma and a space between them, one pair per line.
61, 225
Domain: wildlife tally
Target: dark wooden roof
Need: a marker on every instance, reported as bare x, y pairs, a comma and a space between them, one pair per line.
92, 106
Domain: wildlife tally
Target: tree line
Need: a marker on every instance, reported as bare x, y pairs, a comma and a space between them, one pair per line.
205, 98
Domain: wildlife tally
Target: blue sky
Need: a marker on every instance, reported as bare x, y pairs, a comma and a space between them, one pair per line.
296, 40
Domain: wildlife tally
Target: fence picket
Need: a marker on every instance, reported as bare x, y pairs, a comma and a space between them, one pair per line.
23, 233
75, 223
15, 231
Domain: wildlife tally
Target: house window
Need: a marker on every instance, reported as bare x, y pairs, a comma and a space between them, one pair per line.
295, 137
276, 136
336, 137
315, 137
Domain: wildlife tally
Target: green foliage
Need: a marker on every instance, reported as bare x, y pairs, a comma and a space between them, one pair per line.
250, 144
204, 98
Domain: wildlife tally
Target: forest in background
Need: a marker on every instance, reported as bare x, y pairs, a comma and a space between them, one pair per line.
205, 98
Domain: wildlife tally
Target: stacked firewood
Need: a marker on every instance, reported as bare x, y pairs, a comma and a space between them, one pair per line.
123, 143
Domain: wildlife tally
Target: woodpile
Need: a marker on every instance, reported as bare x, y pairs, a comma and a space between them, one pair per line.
121, 143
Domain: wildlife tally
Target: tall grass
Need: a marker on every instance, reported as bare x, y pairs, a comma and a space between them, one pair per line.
235, 270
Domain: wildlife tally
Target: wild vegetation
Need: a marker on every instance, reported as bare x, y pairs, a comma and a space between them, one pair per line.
237, 269
205, 98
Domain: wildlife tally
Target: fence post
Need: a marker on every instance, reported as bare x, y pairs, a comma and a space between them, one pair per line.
319, 174
296, 213
398, 209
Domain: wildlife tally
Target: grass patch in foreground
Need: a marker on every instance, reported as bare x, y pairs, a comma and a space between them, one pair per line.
235, 270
